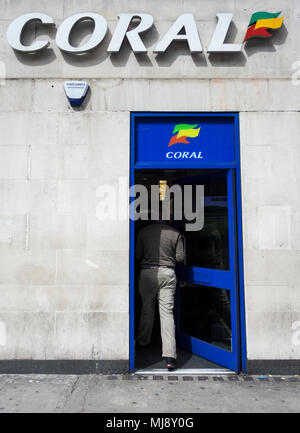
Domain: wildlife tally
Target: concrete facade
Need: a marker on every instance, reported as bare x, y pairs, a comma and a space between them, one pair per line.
64, 276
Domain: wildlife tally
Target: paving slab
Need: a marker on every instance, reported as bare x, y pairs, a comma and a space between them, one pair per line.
160, 394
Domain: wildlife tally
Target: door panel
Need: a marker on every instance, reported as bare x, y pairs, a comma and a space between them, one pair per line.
207, 312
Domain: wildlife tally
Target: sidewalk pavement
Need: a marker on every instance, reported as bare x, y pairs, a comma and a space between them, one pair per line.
127, 394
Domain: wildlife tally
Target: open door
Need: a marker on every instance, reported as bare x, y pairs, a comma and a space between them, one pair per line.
207, 291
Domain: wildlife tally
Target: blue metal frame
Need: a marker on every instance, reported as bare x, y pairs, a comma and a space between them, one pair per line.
220, 279
241, 291
234, 169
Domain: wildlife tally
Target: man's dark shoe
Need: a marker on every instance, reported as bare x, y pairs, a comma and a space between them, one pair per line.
171, 363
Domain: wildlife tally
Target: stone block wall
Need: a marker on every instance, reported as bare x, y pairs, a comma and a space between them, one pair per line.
64, 275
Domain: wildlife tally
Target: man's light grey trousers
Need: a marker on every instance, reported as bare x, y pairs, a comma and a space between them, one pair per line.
158, 284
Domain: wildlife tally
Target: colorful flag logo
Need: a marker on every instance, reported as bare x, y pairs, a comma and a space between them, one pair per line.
261, 22
184, 131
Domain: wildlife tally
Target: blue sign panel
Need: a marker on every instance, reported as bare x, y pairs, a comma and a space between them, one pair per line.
184, 140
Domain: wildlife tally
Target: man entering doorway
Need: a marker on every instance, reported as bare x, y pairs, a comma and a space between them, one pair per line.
159, 248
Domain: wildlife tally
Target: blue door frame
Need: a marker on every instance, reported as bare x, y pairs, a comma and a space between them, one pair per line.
233, 167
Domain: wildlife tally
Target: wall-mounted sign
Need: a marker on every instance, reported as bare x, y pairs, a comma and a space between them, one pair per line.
76, 92
183, 29
171, 140
261, 23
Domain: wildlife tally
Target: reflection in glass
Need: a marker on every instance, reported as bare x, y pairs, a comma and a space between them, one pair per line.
205, 313
208, 248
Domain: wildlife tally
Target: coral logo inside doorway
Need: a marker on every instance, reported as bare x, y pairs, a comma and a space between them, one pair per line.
182, 132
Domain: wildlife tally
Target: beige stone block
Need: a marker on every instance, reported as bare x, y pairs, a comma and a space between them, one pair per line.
294, 298
75, 162
281, 129
52, 231
48, 63
75, 197
274, 299
107, 268
208, 9
45, 161
91, 336
99, 96
64, 298
28, 335
42, 298
43, 129
291, 99
20, 197
111, 9
271, 335
287, 7
113, 234
12, 9
250, 231
274, 227
59, 161
192, 95
14, 162
14, 128
284, 162
49, 95
271, 267
256, 162
239, 95
21, 267
159, 95
13, 231
59, 129
4, 46
273, 192
108, 298
74, 128
107, 165
295, 229
297, 162
114, 151
15, 95
115, 336
114, 125
271, 299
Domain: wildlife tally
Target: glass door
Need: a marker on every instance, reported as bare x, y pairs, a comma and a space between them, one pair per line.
206, 313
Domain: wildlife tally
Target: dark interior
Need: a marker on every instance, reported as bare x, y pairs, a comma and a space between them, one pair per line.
200, 311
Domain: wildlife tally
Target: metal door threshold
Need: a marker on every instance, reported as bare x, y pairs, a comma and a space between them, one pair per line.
185, 372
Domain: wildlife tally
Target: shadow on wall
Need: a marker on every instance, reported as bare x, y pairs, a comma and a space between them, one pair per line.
233, 59
150, 38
